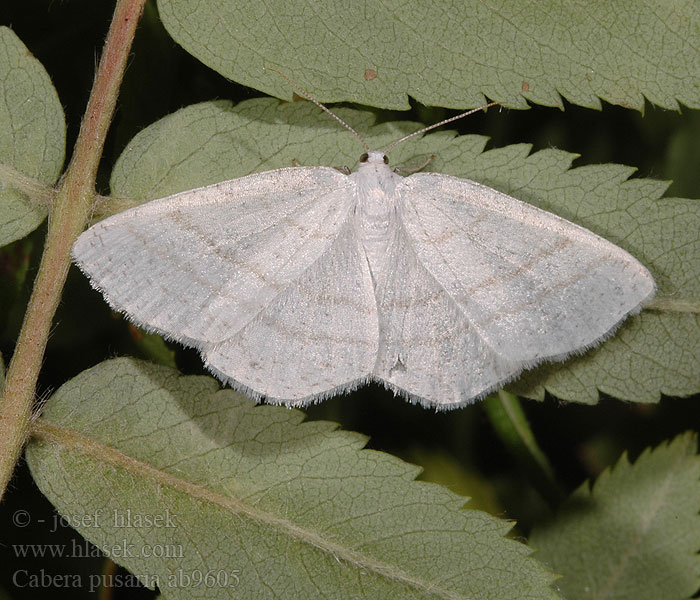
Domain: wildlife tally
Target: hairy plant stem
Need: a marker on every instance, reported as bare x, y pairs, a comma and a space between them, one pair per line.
67, 218
38, 194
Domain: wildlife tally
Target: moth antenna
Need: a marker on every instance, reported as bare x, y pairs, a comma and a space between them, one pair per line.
317, 103
434, 125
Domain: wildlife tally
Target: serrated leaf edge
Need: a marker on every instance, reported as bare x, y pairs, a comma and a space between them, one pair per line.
71, 439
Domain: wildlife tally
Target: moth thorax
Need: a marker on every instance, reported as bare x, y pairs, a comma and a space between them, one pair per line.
375, 223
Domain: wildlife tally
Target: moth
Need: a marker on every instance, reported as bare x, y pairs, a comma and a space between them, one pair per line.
297, 284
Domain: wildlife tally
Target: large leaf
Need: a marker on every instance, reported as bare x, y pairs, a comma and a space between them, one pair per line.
655, 352
451, 53
32, 136
271, 506
635, 535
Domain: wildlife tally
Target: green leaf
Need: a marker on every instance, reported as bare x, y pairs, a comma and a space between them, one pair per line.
448, 53
654, 352
275, 507
635, 535
441, 467
510, 424
32, 137
151, 347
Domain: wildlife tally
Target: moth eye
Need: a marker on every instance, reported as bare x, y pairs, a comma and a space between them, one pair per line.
386, 159
364, 157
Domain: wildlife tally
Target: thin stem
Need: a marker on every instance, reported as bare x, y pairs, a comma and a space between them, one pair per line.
511, 425
109, 570
67, 219
40, 195
36, 193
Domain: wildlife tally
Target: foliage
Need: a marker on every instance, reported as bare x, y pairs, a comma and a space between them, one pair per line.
602, 538
285, 509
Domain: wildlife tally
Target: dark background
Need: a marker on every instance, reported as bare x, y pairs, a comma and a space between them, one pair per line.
458, 449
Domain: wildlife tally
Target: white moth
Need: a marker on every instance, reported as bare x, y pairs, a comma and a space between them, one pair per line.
300, 283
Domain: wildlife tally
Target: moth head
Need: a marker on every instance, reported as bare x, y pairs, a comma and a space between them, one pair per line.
375, 157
